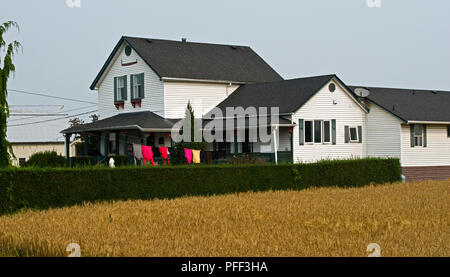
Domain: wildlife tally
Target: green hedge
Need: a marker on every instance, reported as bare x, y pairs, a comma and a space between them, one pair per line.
46, 159
38, 188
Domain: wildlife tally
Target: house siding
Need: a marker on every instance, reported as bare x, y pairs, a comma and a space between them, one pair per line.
382, 133
321, 107
437, 152
202, 96
153, 86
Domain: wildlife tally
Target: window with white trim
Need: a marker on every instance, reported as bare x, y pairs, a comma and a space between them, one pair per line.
418, 135
327, 131
120, 88
318, 131
308, 131
137, 86
354, 134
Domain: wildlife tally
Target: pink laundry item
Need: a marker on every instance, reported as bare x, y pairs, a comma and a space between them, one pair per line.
188, 155
164, 154
148, 154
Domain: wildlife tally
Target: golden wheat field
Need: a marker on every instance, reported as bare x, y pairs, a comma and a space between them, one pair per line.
409, 219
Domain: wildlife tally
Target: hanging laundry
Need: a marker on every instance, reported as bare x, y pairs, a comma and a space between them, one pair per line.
137, 151
196, 156
188, 155
164, 154
156, 152
148, 154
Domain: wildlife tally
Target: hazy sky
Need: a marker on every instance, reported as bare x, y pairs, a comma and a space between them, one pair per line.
403, 43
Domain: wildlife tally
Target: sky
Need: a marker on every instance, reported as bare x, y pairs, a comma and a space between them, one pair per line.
398, 43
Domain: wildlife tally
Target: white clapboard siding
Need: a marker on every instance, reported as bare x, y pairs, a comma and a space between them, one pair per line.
153, 86
321, 107
437, 152
382, 133
203, 97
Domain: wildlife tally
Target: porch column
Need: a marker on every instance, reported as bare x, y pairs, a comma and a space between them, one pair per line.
235, 142
67, 145
291, 132
117, 135
86, 145
144, 138
106, 144
125, 144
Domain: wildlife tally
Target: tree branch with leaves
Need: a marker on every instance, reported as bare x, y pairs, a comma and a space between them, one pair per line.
7, 68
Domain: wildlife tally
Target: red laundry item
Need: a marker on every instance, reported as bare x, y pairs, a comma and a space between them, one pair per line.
164, 154
188, 155
148, 154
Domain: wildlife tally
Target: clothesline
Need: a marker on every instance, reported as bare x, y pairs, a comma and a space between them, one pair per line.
146, 153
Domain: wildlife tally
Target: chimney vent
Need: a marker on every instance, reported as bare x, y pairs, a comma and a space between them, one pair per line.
183, 40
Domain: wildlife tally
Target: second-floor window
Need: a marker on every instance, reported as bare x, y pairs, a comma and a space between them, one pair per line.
120, 88
137, 86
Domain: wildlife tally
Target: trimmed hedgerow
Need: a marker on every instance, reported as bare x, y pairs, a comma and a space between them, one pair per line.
44, 188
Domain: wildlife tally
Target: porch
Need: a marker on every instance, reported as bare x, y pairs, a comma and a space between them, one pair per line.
116, 135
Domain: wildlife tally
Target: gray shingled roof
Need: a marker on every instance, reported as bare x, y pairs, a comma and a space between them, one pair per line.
202, 61
144, 120
411, 104
288, 95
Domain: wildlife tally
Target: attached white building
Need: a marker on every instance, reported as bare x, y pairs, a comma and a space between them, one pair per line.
145, 85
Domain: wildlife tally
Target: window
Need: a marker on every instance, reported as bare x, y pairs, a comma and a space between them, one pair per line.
137, 90
128, 50
308, 131
120, 85
354, 134
418, 135
317, 131
326, 131
22, 161
332, 87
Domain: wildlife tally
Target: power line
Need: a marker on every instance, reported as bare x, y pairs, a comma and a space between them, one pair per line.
38, 114
48, 120
72, 110
50, 96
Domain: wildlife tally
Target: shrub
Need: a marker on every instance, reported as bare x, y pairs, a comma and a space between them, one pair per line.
119, 160
46, 188
46, 159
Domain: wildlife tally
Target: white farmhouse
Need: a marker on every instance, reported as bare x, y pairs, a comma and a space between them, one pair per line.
145, 85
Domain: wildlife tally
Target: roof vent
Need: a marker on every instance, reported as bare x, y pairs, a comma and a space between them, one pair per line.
149, 40
434, 92
183, 40
234, 47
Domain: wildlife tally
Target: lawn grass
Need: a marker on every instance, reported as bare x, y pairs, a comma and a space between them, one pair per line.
410, 219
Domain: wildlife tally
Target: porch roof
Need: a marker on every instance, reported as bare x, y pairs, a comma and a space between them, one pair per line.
144, 121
